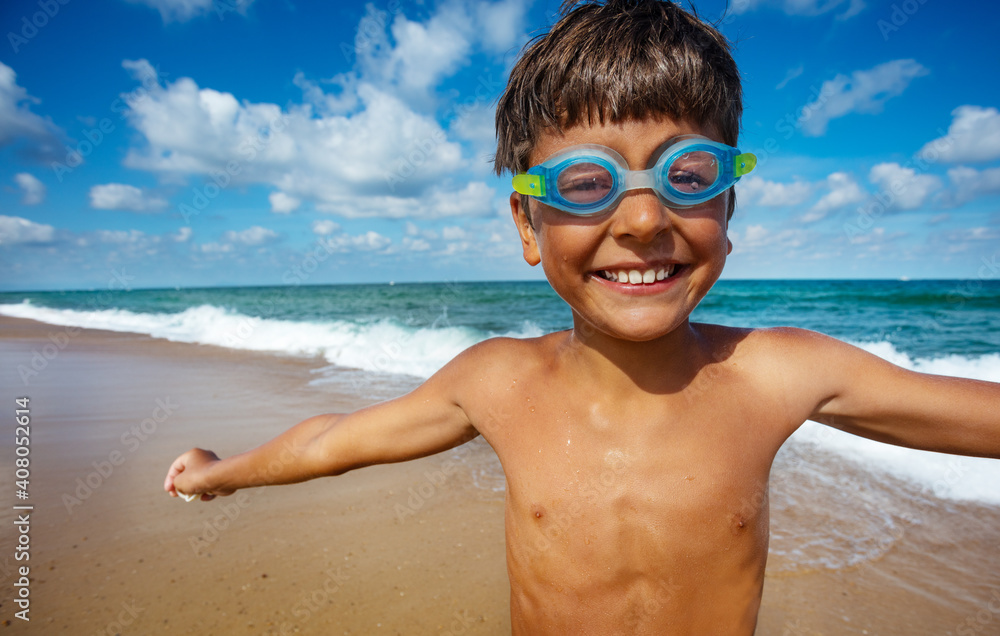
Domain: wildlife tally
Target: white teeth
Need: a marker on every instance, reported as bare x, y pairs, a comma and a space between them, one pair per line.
636, 277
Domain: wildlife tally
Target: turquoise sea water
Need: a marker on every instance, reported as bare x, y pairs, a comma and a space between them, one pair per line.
923, 319
395, 335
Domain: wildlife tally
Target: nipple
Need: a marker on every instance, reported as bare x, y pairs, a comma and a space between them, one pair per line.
739, 524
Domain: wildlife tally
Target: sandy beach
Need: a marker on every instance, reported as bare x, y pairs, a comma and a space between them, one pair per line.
414, 548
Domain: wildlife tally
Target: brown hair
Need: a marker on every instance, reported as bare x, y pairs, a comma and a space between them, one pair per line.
616, 61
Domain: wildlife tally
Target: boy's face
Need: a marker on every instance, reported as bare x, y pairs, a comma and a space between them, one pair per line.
580, 254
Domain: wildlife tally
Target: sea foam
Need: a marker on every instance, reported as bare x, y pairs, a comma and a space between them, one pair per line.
381, 346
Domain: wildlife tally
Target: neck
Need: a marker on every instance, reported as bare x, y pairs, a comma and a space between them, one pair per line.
662, 365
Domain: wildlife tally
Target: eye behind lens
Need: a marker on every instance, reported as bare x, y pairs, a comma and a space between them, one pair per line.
585, 183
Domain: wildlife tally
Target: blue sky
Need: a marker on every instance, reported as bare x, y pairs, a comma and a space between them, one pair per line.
241, 142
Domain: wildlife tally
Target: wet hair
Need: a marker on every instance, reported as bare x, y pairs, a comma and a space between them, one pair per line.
615, 61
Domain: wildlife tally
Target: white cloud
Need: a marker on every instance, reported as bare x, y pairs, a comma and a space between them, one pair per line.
215, 248
251, 237
17, 122
368, 242
843, 191
861, 92
501, 24
120, 237
422, 53
120, 196
183, 10
282, 203
974, 135
14, 230
324, 227
385, 160
453, 233
416, 245
789, 76
33, 190
906, 189
754, 190
183, 235
758, 238
969, 183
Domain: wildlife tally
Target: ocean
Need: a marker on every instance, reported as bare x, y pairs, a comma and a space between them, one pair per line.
379, 340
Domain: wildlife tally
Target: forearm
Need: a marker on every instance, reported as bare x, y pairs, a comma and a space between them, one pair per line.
296, 455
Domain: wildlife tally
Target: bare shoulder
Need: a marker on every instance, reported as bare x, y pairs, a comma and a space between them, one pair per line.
786, 363
499, 359
502, 352
771, 344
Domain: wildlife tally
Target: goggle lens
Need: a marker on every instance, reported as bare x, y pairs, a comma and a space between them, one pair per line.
585, 183
694, 172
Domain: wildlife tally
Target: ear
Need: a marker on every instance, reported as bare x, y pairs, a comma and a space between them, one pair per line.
729, 246
528, 242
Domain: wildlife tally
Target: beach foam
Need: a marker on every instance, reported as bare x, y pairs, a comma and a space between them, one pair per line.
381, 346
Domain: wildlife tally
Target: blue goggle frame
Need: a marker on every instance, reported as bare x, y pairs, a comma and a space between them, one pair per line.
541, 181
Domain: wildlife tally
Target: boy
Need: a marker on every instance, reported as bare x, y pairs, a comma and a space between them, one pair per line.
637, 445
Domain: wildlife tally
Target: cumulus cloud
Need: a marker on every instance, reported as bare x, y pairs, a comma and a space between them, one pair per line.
384, 160
183, 10
15, 230
974, 136
120, 196
18, 123
843, 190
908, 189
368, 242
501, 24
754, 190
324, 227
757, 238
413, 57
251, 237
969, 183
120, 237
282, 203
32, 190
861, 92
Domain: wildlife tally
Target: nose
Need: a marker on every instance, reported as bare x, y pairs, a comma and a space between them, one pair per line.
640, 215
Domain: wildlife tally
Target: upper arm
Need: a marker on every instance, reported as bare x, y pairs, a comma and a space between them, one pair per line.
430, 419
863, 394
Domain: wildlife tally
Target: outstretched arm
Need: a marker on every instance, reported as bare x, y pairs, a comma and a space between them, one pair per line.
423, 422
868, 396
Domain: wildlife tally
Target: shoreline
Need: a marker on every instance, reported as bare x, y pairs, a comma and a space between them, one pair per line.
337, 555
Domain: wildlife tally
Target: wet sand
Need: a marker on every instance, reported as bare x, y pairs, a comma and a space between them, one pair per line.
400, 549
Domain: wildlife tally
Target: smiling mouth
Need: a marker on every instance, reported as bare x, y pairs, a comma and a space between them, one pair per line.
639, 276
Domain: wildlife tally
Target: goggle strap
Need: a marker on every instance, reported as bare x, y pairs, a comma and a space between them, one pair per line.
529, 184
744, 164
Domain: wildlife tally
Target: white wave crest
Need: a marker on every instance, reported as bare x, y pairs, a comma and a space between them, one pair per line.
384, 346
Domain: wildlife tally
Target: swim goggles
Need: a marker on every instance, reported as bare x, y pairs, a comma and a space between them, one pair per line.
588, 179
